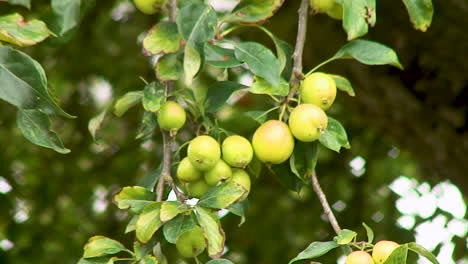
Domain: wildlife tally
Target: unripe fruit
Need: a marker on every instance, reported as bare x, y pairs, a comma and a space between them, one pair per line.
149, 7
197, 188
220, 173
204, 152
318, 89
187, 172
307, 122
237, 151
242, 178
191, 243
382, 250
171, 116
359, 257
273, 142
336, 12
322, 6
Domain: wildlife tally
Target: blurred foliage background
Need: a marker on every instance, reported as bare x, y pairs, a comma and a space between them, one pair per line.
408, 132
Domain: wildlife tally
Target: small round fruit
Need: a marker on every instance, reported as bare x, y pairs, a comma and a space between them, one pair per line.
242, 178
187, 172
171, 116
220, 173
197, 188
191, 243
359, 257
204, 152
321, 6
318, 89
237, 151
382, 250
273, 142
336, 12
307, 122
149, 7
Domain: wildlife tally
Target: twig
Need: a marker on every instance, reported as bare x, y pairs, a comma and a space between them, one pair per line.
173, 10
323, 200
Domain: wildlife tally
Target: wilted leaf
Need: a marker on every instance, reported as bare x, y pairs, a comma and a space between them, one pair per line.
358, 15
212, 231
15, 30
420, 12
254, 11
169, 68
162, 38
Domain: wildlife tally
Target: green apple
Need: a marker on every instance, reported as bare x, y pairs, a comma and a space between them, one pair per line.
220, 173
191, 243
273, 142
242, 178
186, 172
382, 250
204, 152
197, 188
307, 122
318, 89
171, 116
149, 7
359, 257
237, 151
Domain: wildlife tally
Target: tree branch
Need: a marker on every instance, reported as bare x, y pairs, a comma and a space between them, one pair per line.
172, 10
323, 201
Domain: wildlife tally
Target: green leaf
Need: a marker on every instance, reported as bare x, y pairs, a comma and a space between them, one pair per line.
239, 209
219, 261
258, 116
261, 61
134, 198
283, 50
261, 86
255, 167
212, 231
285, 176
398, 256
162, 38
369, 232
192, 62
220, 57
25, 3
222, 196
36, 127
218, 94
149, 222
131, 225
15, 30
177, 226
315, 250
149, 180
358, 15
153, 97
254, 11
169, 68
368, 52
99, 246
95, 123
345, 236
196, 22
171, 209
335, 136
420, 12
422, 251
304, 159
24, 83
66, 15
148, 259
127, 101
343, 84
147, 126
100, 260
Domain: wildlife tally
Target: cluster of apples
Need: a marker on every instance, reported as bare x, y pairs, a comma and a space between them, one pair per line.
380, 253
273, 141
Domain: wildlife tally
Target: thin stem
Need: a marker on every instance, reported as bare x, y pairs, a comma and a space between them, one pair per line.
283, 109
274, 98
266, 112
323, 201
320, 65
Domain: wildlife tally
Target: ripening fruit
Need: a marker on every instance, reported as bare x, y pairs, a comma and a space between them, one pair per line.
359, 257
273, 142
204, 152
321, 6
171, 116
318, 89
197, 188
220, 173
149, 7
191, 243
237, 151
336, 12
242, 178
382, 250
307, 122
187, 172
